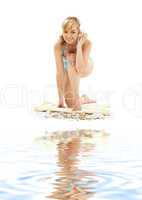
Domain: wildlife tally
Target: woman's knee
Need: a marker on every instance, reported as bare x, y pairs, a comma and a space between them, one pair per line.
86, 71
69, 95
69, 98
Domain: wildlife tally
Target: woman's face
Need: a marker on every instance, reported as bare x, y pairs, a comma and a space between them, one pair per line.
70, 35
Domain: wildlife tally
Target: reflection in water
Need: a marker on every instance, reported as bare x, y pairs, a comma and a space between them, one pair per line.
71, 165
73, 183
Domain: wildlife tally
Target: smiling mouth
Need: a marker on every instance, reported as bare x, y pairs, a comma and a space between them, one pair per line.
69, 39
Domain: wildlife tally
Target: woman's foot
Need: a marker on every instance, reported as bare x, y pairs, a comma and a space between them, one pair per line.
84, 99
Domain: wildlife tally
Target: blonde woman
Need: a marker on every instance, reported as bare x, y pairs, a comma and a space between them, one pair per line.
72, 56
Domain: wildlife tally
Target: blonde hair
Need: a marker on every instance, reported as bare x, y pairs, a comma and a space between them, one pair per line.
68, 23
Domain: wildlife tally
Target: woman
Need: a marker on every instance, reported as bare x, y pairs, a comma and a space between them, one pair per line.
72, 52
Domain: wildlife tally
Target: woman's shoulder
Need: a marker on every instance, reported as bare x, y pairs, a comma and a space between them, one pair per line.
58, 46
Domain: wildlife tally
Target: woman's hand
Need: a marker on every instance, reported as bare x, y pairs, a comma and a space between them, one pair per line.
81, 39
61, 106
61, 103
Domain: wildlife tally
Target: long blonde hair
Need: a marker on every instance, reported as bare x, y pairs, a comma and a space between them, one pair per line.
68, 22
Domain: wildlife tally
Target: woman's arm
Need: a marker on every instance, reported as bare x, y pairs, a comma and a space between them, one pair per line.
83, 52
59, 72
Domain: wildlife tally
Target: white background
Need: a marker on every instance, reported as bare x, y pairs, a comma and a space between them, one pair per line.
28, 31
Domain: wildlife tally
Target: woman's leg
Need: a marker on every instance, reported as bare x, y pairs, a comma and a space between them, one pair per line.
87, 70
71, 87
84, 72
84, 99
68, 94
74, 79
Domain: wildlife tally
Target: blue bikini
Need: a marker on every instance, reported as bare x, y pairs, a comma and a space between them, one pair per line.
66, 62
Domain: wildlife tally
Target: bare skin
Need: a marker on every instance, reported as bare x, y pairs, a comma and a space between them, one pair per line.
68, 81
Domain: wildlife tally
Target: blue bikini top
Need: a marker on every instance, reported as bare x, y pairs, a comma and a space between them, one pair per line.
65, 60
